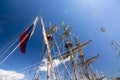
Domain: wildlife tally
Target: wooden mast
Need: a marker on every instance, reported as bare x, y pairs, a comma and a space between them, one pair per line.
85, 64
83, 61
73, 67
83, 76
68, 45
49, 62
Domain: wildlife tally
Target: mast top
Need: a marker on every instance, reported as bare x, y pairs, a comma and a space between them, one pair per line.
103, 29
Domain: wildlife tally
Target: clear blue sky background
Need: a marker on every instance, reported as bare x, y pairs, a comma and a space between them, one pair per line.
87, 15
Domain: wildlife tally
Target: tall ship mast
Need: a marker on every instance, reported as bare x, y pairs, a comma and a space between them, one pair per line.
81, 69
64, 56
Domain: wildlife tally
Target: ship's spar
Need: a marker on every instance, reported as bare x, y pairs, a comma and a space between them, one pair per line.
84, 65
73, 48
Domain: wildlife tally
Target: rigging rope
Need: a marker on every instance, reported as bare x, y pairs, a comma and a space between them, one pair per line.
8, 48
10, 44
12, 51
62, 58
55, 64
29, 67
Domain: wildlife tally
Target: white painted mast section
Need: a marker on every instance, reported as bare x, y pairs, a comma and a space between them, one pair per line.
49, 62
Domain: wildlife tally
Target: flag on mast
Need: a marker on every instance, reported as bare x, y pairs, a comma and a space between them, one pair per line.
29, 31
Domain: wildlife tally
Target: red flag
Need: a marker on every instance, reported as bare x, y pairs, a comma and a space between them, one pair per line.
24, 38
27, 35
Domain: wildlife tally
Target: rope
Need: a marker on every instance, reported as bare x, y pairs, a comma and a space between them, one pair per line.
10, 44
8, 48
55, 64
62, 59
13, 50
29, 67
64, 69
23, 70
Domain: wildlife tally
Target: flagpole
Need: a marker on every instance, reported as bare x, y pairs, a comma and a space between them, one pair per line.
49, 62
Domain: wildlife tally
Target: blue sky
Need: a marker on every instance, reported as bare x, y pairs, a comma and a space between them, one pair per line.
87, 15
